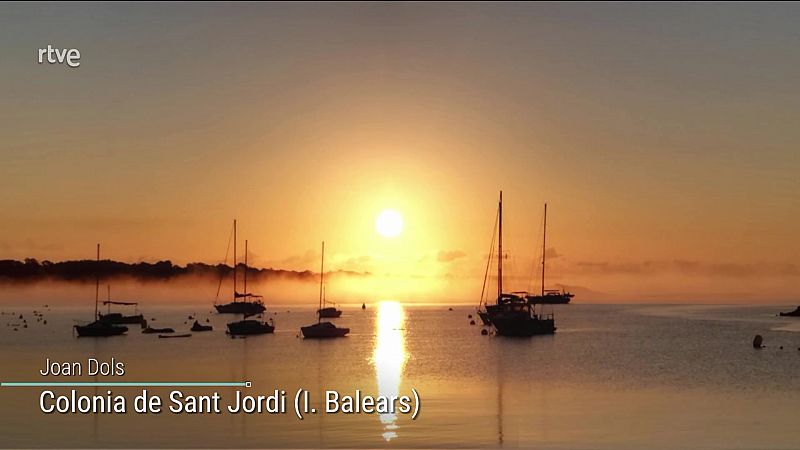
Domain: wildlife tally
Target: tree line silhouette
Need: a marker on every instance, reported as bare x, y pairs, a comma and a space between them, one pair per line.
85, 270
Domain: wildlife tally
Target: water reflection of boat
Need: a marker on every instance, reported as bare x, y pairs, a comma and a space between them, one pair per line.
251, 304
513, 314
549, 296
321, 330
99, 328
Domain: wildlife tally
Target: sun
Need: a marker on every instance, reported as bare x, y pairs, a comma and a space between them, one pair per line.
389, 223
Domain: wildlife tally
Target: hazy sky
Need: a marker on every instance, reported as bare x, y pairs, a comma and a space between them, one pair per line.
663, 136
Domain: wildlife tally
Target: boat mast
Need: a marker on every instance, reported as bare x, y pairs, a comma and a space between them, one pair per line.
544, 239
97, 283
234, 260
500, 248
321, 278
245, 268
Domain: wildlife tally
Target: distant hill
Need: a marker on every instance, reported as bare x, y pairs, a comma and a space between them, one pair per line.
31, 270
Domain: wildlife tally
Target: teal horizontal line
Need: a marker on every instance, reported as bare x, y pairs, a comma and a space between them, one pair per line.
121, 384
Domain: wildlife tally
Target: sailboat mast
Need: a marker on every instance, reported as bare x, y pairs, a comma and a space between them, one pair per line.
544, 240
500, 248
234, 260
245, 267
321, 278
97, 283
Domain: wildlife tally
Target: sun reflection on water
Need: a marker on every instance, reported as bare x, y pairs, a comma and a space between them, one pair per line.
389, 358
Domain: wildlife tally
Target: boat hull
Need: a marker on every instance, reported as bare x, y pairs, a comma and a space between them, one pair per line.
248, 308
551, 299
99, 329
249, 327
329, 313
523, 326
322, 331
119, 319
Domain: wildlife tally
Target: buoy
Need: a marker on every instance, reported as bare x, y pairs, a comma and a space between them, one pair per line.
484, 332
469, 316
207, 320
757, 341
472, 322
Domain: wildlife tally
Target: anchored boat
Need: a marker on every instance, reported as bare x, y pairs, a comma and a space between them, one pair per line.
321, 330
250, 304
512, 314
549, 296
99, 328
245, 327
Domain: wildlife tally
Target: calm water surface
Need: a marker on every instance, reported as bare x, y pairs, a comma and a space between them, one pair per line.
626, 377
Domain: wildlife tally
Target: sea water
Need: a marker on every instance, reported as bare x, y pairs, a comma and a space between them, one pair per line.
613, 376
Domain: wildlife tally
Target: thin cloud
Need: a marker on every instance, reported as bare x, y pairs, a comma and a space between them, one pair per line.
449, 255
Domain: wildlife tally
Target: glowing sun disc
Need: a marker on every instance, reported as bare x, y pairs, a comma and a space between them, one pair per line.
389, 223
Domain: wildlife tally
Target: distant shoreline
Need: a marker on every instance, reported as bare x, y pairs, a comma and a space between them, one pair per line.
31, 270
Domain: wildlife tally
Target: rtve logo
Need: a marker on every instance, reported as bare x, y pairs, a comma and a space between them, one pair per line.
69, 56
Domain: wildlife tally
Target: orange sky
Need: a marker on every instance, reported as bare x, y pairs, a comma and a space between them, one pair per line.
662, 137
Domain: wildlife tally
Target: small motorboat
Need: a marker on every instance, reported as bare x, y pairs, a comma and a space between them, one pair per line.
172, 336
198, 327
795, 313
321, 330
151, 330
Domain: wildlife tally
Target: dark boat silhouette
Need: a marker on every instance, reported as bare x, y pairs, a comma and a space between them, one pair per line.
172, 336
795, 313
196, 326
99, 328
250, 304
328, 312
151, 330
119, 318
246, 327
548, 296
512, 314
322, 330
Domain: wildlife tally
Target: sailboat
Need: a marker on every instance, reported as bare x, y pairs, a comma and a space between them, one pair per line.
119, 318
99, 328
251, 304
549, 296
512, 314
328, 312
246, 326
322, 329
